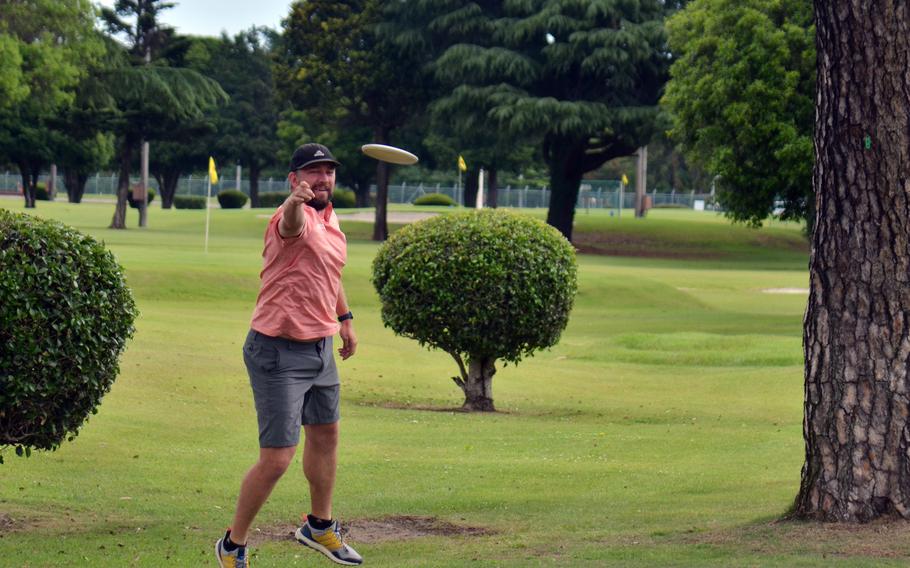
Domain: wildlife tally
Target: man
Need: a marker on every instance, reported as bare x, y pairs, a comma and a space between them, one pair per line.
288, 355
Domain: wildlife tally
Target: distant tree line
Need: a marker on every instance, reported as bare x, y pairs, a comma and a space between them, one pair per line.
552, 89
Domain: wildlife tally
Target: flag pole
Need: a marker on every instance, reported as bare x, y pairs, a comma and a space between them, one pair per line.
208, 196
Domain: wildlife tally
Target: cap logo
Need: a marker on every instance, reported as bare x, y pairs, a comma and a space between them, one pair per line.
319, 153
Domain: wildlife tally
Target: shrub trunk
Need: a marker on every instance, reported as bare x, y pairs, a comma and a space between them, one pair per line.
477, 384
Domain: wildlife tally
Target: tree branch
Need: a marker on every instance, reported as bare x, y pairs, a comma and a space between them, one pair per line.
464, 374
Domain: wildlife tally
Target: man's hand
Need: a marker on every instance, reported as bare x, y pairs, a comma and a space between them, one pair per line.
301, 192
293, 220
349, 340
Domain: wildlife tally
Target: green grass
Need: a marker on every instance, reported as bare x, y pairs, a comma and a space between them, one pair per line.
663, 430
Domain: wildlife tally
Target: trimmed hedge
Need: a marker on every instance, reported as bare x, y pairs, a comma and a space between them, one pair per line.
232, 199
41, 193
65, 317
272, 199
435, 199
343, 198
488, 284
671, 206
189, 202
135, 204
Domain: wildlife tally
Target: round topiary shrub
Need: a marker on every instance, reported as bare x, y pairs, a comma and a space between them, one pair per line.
41, 193
231, 199
272, 199
481, 286
189, 202
343, 198
65, 317
435, 199
135, 204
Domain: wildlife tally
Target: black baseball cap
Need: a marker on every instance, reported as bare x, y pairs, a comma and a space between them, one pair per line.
311, 153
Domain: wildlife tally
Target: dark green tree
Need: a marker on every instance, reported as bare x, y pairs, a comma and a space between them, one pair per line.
247, 124
583, 77
151, 99
742, 96
331, 56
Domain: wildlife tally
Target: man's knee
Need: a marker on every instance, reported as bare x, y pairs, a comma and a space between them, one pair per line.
273, 462
323, 437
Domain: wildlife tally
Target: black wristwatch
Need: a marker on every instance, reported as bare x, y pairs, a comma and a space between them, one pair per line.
347, 316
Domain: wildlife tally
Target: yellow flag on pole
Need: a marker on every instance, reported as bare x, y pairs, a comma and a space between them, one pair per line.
213, 174
625, 180
461, 165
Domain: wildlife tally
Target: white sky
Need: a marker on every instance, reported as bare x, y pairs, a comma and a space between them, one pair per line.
210, 17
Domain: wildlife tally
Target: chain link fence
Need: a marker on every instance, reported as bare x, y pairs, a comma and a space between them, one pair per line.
593, 194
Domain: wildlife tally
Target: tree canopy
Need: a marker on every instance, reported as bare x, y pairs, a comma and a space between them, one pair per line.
583, 77
46, 48
332, 59
742, 95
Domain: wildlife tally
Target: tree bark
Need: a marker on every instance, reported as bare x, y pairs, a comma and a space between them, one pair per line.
857, 323
28, 186
476, 382
470, 188
168, 180
380, 225
254, 185
493, 189
75, 185
478, 388
123, 186
564, 157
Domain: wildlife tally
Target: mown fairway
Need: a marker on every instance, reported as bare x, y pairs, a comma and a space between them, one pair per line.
664, 429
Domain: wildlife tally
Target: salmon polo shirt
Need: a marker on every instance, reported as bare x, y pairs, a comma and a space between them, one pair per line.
301, 277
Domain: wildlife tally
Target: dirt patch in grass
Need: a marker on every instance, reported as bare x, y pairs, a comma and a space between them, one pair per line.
393, 405
270, 533
880, 539
8, 524
406, 527
397, 527
625, 244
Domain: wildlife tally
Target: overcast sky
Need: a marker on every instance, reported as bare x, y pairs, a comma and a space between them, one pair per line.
210, 17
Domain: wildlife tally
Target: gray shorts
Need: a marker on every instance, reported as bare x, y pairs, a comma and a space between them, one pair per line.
294, 383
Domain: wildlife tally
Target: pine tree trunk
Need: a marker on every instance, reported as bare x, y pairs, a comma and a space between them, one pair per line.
478, 387
493, 193
857, 324
75, 185
254, 185
380, 224
470, 188
123, 187
565, 178
28, 188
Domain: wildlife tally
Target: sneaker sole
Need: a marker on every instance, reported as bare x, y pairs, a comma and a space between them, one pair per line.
218, 552
318, 547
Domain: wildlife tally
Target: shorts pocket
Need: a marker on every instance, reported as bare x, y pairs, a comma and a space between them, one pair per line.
265, 357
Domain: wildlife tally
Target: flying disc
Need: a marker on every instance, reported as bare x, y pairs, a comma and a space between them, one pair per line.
389, 154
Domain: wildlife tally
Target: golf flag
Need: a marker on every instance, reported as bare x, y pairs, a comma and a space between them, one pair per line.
213, 175
461, 165
625, 180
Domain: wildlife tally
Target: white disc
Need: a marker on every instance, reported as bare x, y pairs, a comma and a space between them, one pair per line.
389, 154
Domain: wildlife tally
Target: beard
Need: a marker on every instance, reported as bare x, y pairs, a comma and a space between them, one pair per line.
322, 199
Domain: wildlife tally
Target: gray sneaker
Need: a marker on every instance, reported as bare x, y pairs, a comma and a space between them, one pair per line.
236, 558
328, 542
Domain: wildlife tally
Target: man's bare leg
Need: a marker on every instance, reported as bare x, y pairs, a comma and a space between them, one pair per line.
257, 486
320, 460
